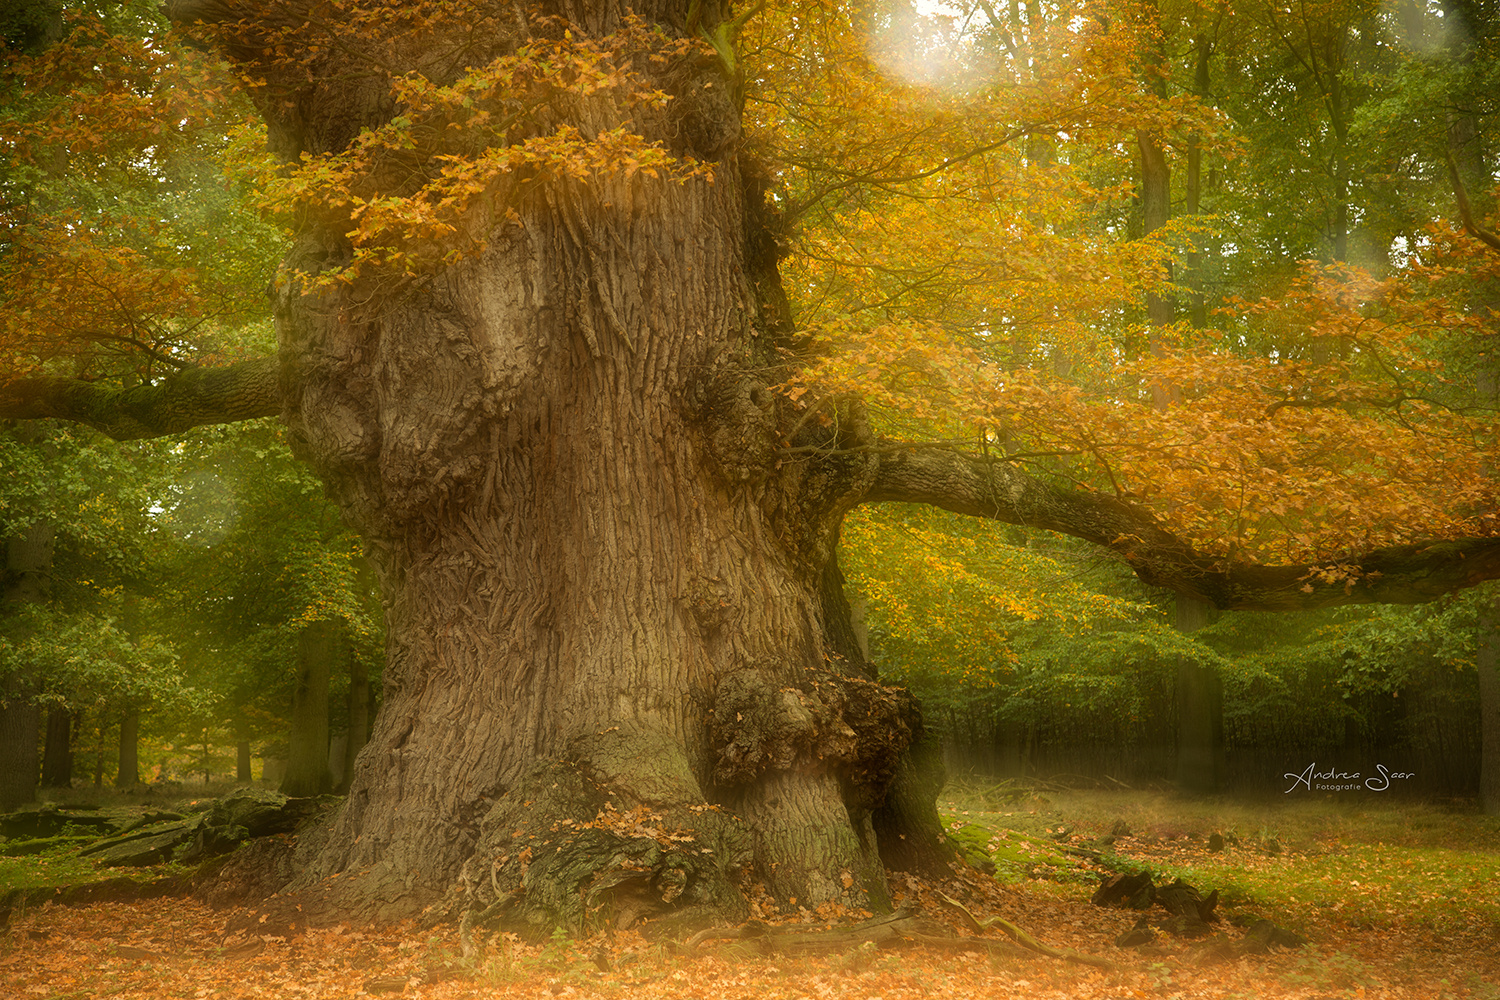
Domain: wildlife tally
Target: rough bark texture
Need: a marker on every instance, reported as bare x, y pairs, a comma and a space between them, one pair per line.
907, 829
609, 691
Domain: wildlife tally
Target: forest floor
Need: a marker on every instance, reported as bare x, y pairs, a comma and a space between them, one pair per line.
1395, 901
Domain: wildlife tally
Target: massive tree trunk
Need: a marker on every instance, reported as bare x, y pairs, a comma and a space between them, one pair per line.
601, 603
608, 688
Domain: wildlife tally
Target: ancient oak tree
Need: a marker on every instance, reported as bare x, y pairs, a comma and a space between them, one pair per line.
532, 337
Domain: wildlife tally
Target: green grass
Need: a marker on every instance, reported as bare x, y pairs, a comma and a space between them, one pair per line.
1366, 885
1016, 855
60, 866
1355, 863
57, 867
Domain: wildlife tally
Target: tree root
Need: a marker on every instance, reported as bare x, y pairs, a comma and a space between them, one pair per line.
473, 915
900, 927
1026, 940
882, 931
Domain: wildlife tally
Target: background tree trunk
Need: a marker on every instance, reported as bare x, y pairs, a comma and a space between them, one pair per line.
20, 731
26, 580
1203, 49
1488, 664
1200, 695
100, 729
57, 753
128, 773
1200, 712
320, 645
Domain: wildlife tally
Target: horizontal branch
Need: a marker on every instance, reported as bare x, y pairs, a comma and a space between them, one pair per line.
1465, 211
188, 399
1406, 574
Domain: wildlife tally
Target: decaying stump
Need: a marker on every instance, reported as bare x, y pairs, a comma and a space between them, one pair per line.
1134, 892
1138, 892
1258, 940
1190, 915
1141, 934
1182, 900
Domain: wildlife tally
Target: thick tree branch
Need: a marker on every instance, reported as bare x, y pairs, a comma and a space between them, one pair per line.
1408, 574
1465, 211
188, 399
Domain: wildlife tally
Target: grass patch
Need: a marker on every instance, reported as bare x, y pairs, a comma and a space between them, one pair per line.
53, 862
40, 845
1304, 862
58, 866
1366, 885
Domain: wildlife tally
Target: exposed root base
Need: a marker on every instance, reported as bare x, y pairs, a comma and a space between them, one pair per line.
617, 833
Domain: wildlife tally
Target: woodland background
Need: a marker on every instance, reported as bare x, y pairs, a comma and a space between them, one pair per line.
1187, 200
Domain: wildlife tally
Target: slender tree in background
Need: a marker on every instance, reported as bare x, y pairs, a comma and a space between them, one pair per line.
57, 752
1200, 692
265, 563
28, 567
318, 648
533, 338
